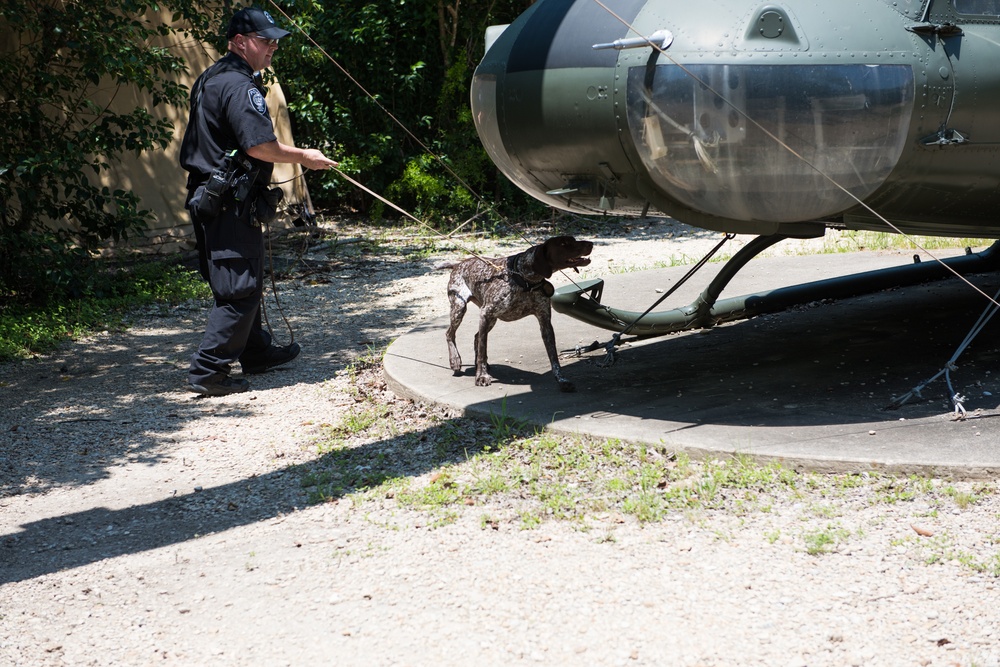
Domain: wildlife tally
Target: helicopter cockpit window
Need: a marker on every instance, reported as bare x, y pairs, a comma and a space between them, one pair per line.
761, 142
978, 7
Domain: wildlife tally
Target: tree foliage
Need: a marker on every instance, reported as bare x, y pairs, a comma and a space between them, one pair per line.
387, 93
374, 68
67, 63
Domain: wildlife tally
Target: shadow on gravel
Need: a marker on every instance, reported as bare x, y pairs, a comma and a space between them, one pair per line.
75, 539
70, 417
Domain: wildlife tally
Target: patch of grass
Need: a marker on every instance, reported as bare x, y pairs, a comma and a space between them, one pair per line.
491, 483
850, 481
504, 426
345, 469
825, 511
825, 539
416, 253
27, 330
858, 240
941, 549
361, 419
966, 499
521, 477
441, 492
892, 490
372, 358
530, 520
607, 537
573, 479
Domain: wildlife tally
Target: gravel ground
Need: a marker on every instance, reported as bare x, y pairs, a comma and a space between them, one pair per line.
140, 525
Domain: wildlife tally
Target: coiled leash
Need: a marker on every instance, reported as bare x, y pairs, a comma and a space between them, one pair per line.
274, 292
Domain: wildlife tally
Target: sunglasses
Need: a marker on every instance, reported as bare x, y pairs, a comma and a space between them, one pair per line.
267, 40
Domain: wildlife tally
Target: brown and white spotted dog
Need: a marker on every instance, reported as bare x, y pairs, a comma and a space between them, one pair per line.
509, 288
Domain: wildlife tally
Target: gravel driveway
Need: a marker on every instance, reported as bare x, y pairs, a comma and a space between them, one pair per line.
140, 525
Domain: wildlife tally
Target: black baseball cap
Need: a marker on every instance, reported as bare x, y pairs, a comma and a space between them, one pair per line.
252, 19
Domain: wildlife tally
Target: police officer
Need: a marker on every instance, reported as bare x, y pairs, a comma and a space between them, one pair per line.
229, 150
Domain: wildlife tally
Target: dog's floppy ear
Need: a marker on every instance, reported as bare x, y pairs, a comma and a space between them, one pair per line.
541, 262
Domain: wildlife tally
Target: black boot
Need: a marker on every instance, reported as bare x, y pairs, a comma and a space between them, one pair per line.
271, 357
222, 385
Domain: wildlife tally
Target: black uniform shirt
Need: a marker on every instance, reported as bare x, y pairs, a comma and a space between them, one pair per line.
228, 111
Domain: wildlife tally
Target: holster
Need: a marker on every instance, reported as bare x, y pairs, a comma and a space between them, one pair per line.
234, 181
210, 203
266, 204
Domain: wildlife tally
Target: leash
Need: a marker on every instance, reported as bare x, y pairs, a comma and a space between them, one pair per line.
408, 214
274, 291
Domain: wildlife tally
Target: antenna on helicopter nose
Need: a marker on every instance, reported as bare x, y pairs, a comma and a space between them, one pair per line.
660, 39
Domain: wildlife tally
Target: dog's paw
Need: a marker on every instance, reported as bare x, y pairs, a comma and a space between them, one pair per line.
454, 358
567, 387
483, 380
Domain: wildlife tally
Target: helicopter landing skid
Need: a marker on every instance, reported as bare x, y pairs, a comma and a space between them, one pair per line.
582, 300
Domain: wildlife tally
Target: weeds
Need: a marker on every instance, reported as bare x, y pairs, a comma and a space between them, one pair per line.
856, 241
941, 549
524, 478
892, 490
824, 540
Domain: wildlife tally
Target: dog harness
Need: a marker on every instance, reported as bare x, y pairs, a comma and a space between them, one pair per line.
543, 286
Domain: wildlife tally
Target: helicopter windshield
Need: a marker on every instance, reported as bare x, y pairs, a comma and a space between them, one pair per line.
978, 7
779, 142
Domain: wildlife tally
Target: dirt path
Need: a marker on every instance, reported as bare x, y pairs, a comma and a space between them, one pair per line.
140, 525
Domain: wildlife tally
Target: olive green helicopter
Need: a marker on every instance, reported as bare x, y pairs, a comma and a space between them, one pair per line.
775, 119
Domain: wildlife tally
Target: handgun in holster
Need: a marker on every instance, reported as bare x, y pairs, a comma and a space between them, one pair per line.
236, 177
244, 177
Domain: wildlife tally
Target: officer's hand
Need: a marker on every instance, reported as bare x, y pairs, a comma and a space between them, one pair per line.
314, 159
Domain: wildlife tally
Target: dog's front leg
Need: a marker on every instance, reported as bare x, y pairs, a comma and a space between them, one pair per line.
486, 323
458, 307
549, 339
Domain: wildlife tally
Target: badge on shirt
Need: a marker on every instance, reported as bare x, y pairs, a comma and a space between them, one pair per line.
257, 101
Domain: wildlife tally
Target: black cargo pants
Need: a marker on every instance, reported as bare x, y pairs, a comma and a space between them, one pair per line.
231, 259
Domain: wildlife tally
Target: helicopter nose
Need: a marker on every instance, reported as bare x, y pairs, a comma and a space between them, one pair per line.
738, 136
770, 142
543, 103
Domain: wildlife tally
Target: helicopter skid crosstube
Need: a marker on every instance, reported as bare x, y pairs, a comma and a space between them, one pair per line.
582, 300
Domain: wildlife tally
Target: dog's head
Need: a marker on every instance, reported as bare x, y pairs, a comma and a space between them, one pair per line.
566, 252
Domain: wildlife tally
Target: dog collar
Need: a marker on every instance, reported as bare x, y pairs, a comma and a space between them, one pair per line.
543, 286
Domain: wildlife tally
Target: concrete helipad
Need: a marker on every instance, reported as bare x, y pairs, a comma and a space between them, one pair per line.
808, 386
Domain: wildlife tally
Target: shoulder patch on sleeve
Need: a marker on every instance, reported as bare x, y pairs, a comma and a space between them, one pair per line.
257, 101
